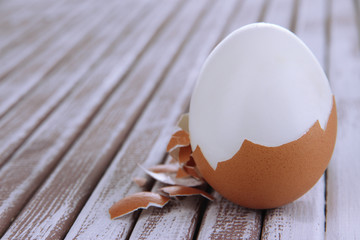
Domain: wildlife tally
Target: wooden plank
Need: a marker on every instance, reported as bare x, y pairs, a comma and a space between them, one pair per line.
23, 48
177, 220
147, 141
304, 217
34, 161
297, 219
13, 87
103, 136
343, 193
281, 12
226, 220
223, 219
8, 9
39, 102
23, 15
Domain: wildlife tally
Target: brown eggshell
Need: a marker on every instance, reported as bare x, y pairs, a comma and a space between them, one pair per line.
141, 182
181, 173
179, 191
184, 154
164, 168
141, 200
266, 177
178, 139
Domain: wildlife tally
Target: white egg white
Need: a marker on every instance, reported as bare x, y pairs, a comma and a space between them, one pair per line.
261, 83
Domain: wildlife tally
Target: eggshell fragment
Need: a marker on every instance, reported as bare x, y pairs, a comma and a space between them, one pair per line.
183, 122
266, 177
192, 171
164, 168
180, 138
139, 181
178, 191
141, 200
171, 179
181, 173
184, 154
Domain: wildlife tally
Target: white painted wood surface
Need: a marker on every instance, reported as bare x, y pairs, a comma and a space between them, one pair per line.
343, 191
50, 90
281, 12
47, 145
147, 141
46, 59
88, 90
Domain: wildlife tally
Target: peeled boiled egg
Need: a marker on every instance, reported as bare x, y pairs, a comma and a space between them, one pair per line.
262, 118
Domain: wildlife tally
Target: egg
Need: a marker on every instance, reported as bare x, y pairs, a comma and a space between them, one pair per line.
262, 119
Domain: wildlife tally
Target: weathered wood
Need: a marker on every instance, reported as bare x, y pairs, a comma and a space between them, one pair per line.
223, 219
19, 22
226, 220
80, 81
147, 141
343, 193
24, 48
106, 134
177, 220
281, 12
74, 59
304, 217
34, 161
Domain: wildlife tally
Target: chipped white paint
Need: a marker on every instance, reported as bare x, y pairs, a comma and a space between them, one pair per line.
97, 136
225, 220
56, 134
177, 220
149, 137
148, 140
280, 12
51, 91
304, 217
50, 55
343, 192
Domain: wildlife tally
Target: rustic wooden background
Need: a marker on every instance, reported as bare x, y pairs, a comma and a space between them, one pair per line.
88, 89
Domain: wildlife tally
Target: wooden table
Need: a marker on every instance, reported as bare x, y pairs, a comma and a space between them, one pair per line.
88, 89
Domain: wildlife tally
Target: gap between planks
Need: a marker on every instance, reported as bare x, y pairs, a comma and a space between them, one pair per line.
70, 67
50, 141
141, 147
157, 24
14, 88
343, 208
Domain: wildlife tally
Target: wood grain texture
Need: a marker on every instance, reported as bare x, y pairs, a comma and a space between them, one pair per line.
343, 193
94, 150
43, 89
147, 142
23, 49
34, 161
17, 84
305, 217
177, 220
281, 12
223, 219
20, 21
226, 220
88, 89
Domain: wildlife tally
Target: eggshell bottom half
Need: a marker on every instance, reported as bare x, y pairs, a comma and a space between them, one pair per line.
262, 177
